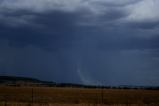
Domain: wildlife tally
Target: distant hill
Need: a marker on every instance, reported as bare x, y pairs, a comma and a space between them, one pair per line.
26, 81
14, 78
23, 81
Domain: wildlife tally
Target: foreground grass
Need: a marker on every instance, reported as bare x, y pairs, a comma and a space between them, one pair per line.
47, 96
80, 104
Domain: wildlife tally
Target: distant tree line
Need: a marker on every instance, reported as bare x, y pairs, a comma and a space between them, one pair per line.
23, 81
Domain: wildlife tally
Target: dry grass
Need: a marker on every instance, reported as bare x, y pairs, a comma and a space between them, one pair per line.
80, 104
45, 96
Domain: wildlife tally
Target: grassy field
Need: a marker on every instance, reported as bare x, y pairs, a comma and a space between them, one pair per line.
47, 96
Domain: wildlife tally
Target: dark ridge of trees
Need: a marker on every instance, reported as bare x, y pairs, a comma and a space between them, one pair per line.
25, 81
5, 79
14, 78
106, 87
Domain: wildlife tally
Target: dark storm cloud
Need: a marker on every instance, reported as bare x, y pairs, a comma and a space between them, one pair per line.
129, 44
144, 25
56, 29
91, 42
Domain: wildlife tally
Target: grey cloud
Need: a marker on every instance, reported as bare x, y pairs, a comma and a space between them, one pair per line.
70, 5
143, 25
57, 31
94, 9
144, 11
102, 14
114, 3
79, 41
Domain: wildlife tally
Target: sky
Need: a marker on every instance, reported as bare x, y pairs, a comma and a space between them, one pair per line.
95, 42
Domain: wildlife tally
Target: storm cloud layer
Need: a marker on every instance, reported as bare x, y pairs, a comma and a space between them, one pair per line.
110, 42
